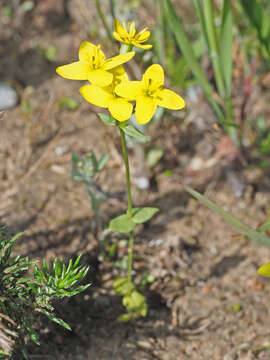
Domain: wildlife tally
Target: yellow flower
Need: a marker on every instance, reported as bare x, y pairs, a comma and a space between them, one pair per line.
106, 97
131, 37
149, 93
93, 66
264, 270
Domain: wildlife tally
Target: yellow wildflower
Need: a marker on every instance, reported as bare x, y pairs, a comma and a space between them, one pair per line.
149, 93
106, 97
92, 65
264, 270
131, 37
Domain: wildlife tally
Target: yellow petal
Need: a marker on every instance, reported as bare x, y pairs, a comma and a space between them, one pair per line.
96, 95
74, 71
170, 100
129, 89
119, 75
145, 109
144, 47
155, 74
264, 270
118, 28
117, 36
100, 77
120, 109
118, 60
132, 29
86, 51
125, 28
143, 35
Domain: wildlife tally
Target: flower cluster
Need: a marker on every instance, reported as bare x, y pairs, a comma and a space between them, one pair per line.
109, 85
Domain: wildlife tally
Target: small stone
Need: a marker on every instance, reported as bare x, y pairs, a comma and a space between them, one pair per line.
8, 97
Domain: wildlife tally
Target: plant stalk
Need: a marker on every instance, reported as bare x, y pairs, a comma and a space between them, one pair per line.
213, 46
129, 210
103, 20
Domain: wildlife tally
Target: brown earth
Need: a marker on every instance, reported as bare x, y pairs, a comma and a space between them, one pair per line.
206, 301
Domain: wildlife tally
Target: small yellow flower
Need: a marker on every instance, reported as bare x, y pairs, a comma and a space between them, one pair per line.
150, 93
93, 66
131, 37
106, 97
264, 270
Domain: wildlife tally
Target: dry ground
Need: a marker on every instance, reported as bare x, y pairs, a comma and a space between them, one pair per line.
206, 302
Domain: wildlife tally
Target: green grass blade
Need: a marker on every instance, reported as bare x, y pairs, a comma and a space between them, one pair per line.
213, 46
260, 20
226, 39
187, 50
201, 17
237, 224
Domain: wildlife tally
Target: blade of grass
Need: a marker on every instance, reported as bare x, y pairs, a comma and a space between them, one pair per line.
226, 39
200, 14
213, 47
237, 224
187, 50
260, 20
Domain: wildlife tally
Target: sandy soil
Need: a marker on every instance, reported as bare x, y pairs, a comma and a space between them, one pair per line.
207, 301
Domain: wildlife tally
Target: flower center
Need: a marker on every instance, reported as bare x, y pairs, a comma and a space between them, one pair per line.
97, 59
150, 89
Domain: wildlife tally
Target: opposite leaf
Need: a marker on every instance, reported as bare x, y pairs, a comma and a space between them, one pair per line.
131, 131
107, 119
122, 224
141, 215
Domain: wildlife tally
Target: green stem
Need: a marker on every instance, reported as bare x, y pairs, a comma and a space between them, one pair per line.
130, 255
125, 155
231, 130
103, 20
129, 210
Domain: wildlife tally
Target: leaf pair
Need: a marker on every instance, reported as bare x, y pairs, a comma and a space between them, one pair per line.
128, 129
125, 224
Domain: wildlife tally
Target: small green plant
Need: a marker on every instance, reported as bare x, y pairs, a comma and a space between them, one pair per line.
111, 89
218, 44
84, 169
258, 16
24, 297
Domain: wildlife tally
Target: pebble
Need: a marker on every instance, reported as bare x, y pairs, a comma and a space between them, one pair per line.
8, 97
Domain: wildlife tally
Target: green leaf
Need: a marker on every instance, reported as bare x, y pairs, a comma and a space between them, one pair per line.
50, 54
226, 41
69, 103
125, 317
96, 198
122, 224
201, 17
232, 220
131, 131
260, 20
55, 319
184, 44
123, 286
135, 302
154, 155
102, 162
27, 6
141, 215
265, 226
107, 119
